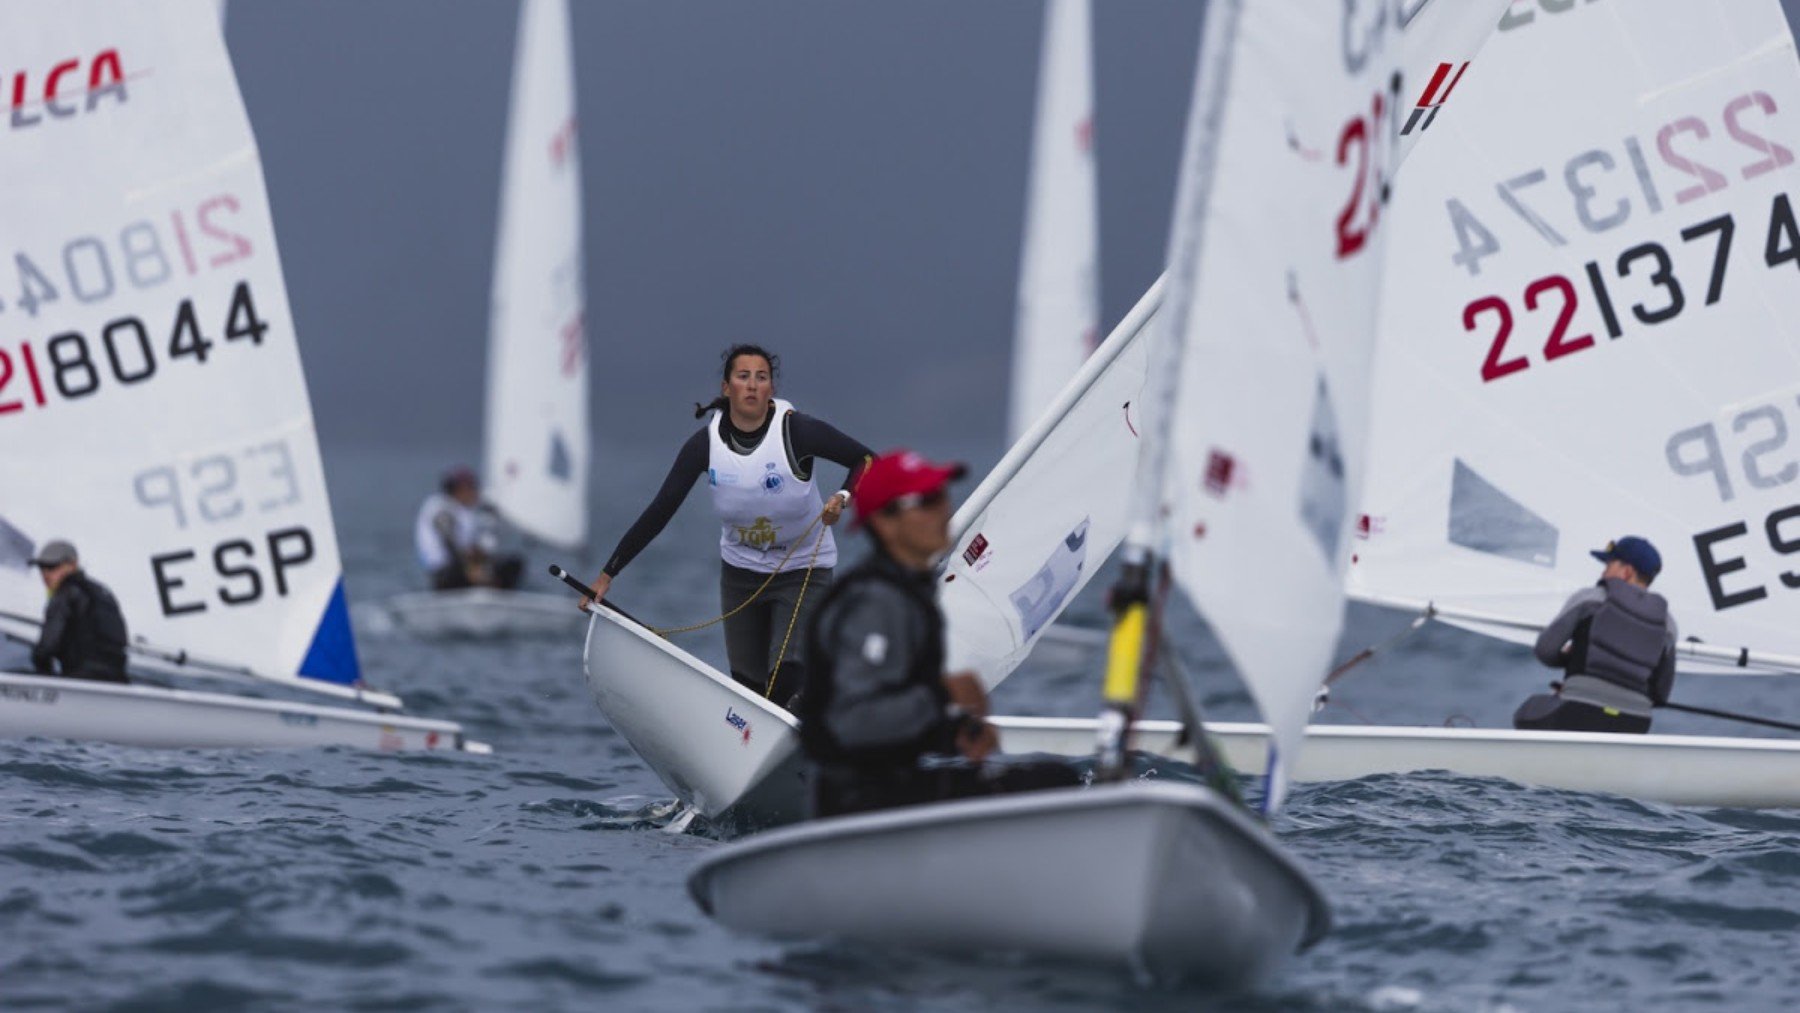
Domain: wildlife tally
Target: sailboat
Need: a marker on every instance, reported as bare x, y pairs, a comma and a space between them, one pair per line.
153, 409
1597, 339
727, 752
1251, 461
537, 438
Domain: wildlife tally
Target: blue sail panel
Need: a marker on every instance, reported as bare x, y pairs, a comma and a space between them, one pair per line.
332, 654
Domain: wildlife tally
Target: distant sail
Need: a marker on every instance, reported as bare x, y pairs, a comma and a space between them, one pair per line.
1059, 272
537, 377
1596, 328
153, 409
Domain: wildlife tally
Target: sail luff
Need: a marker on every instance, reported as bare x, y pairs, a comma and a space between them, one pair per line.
1200, 152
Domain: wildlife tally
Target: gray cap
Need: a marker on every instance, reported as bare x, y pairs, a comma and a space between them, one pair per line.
54, 553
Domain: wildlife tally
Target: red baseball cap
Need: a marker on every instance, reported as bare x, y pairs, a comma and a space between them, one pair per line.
899, 473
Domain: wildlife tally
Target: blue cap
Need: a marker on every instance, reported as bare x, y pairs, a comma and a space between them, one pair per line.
1634, 552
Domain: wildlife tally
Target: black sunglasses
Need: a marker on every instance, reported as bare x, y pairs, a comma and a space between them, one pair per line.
915, 499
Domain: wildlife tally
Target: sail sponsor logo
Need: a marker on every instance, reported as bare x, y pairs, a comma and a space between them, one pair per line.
976, 550
67, 88
1221, 473
737, 721
1437, 92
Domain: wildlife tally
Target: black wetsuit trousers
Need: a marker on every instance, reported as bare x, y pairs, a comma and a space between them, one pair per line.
1547, 712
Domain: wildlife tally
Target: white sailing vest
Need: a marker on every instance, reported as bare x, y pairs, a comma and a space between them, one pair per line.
469, 530
762, 505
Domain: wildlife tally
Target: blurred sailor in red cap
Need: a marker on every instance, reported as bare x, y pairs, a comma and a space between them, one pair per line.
881, 721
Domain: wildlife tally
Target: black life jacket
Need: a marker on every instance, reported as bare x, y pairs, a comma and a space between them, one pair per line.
1623, 642
927, 669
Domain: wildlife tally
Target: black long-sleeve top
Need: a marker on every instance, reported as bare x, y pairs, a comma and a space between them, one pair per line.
84, 632
807, 438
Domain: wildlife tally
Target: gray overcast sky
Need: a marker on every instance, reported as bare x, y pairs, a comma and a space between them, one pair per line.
841, 180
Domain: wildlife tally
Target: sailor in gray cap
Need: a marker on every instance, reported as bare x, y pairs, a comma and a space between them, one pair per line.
1615, 643
84, 631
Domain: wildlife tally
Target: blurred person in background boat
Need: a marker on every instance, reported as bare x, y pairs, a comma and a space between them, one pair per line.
457, 537
84, 632
881, 721
1615, 642
757, 454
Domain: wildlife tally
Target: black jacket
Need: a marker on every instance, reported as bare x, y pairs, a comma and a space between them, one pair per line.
84, 632
875, 692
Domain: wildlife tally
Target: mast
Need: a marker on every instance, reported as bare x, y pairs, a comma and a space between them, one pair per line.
1135, 624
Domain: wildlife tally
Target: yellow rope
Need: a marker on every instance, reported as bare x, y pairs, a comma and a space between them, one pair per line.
666, 631
780, 656
811, 563
818, 544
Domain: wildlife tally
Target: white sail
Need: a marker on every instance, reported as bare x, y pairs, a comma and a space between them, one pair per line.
152, 405
1594, 330
1036, 530
537, 386
1276, 259
1058, 321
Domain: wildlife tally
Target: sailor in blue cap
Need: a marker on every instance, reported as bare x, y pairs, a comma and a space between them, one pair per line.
1615, 643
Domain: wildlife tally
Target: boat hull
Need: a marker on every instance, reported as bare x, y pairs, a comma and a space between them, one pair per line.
477, 613
55, 708
715, 744
1168, 880
1676, 769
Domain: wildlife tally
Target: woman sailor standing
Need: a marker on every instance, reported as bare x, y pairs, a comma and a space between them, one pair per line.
757, 454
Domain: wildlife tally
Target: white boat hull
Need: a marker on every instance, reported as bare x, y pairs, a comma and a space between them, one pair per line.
476, 613
715, 744
54, 708
1164, 879
1676, 769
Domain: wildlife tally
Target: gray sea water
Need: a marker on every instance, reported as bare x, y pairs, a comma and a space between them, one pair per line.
539, 877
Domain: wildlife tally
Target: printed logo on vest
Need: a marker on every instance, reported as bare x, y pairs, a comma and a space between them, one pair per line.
771, 480
758, 536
